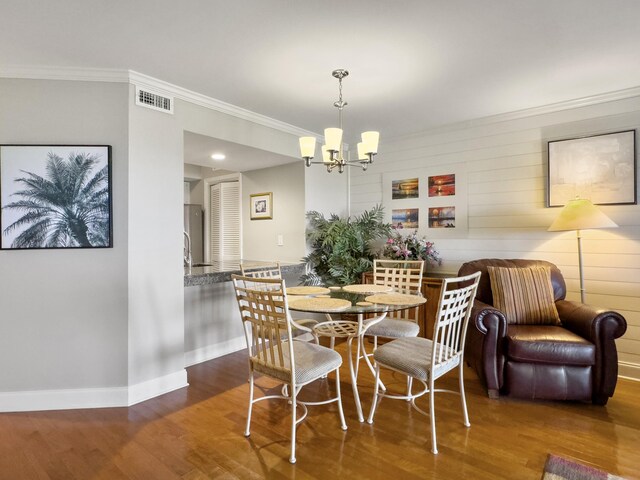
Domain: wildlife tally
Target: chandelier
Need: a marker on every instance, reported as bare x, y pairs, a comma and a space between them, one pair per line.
333, 155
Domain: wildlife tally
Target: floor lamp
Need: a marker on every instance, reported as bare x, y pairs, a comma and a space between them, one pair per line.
580, 214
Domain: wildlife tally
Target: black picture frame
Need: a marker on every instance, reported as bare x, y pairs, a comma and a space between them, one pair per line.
601, 168
55, 196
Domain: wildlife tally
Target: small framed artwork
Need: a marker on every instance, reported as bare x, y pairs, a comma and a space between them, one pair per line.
405, 218
55, 196
601, 168
442, 185
442, 217
261, 206
407, 188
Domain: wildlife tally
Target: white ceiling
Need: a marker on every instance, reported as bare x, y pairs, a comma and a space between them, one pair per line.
415, 64
239, 158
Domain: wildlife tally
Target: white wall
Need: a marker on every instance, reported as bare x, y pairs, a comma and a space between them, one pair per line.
260, 236
325, 192
63, 313
156, 291
505, 161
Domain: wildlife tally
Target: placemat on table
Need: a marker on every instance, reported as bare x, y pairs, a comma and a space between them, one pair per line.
366, 288
396, 299
322, 304
307, 290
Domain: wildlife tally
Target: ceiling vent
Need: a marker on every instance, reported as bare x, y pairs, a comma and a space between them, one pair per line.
149, 99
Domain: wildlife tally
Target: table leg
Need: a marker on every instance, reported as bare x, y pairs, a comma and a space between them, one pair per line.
354, 378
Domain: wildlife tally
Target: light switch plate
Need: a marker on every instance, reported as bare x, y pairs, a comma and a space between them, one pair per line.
280, 240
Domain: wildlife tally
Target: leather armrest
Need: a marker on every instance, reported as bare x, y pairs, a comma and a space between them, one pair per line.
487, 328
601, 327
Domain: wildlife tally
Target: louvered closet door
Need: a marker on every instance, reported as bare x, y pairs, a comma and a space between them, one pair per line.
225, 221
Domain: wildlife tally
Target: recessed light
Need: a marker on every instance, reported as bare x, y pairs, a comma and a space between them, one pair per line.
218, 156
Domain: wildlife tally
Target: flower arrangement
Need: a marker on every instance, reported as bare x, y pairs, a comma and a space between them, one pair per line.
410, 247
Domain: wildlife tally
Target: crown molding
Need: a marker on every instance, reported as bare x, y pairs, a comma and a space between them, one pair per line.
162, 87
141, 80
528, 112
64, 73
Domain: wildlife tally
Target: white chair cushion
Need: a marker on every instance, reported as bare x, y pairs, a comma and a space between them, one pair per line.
412, 356
311, 361
392, 328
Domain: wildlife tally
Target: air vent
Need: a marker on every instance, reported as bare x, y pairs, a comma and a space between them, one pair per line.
146, 98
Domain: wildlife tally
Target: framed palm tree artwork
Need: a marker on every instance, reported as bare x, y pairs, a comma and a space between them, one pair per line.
55, 196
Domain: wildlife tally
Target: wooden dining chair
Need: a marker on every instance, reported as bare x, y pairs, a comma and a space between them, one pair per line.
274, 352
427, 360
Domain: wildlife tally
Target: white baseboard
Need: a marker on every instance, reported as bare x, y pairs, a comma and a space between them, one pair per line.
214, 351
63, 399
74, 398
630, 371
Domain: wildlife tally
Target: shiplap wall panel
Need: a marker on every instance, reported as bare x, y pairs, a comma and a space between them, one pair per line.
505, 160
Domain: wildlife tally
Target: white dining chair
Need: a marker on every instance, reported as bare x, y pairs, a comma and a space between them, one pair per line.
274, 352
404, 276
273, 270
427, 360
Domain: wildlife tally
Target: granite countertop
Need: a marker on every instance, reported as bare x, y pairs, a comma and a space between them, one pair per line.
221, 271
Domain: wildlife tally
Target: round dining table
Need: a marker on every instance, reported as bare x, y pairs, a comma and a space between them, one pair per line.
369, 304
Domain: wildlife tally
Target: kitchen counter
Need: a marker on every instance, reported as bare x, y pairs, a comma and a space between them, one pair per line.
221, 271
212, 324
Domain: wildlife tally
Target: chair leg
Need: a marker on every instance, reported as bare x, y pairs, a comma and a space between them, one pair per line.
376, 393
463, 399
292, 459
432, 417
343, 424
409, 385
247, 430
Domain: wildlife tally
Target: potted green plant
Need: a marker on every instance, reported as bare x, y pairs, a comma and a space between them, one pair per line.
342, 248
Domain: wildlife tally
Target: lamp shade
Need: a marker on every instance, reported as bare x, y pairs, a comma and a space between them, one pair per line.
361, 153
333, 138
307, 147
580, 214
326, 156
370, 141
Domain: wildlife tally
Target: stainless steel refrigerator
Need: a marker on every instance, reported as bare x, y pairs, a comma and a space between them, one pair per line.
194, 226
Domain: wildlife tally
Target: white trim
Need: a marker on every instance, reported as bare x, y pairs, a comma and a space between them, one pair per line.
63, 399
74, 398
157, 386
525, 113
140, 79
65, 73
216, 350
630, 371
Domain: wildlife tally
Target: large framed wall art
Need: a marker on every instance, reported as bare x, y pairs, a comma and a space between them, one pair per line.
601, 168
55, 196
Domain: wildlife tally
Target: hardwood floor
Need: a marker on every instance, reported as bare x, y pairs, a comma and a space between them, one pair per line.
196, 433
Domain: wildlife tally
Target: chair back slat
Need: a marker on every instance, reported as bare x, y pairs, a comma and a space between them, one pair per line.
404, 276
264, 312
452, 319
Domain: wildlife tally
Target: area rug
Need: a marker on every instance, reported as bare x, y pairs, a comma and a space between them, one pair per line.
560, 468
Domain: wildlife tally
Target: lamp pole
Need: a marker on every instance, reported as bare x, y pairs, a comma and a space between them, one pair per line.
582, 290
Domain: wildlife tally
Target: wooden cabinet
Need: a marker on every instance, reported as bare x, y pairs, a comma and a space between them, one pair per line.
431, 287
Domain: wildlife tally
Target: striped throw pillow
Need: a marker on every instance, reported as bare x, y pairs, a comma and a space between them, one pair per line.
524, 295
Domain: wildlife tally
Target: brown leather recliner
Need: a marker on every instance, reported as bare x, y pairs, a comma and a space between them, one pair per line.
575, 361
